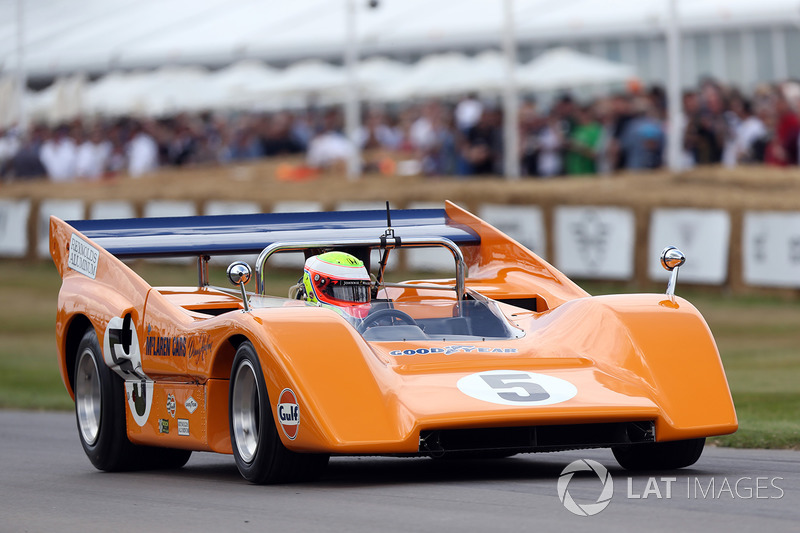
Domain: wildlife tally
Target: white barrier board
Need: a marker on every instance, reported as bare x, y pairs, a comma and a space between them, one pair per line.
14, 227
771, 248
169, 208
524, 224
436, 259
594, 242
293, 260
63, 209
220, 207
111, 209
703, 235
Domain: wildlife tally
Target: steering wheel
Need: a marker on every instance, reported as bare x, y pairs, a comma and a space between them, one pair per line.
377, 316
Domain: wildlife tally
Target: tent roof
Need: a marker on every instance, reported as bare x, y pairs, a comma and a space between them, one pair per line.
101, 35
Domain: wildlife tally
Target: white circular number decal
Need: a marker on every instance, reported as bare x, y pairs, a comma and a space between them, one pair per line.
516, 387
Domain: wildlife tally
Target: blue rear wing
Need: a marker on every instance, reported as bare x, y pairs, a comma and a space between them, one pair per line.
240, 234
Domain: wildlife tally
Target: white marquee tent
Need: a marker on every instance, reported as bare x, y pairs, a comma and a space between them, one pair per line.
62, 36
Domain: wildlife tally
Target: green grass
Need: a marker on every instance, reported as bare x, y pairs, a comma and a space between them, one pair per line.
758, 337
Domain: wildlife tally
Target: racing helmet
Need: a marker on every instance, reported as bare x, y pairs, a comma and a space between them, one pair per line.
340, 280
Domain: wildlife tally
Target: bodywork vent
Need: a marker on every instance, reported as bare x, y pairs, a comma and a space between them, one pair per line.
536, 438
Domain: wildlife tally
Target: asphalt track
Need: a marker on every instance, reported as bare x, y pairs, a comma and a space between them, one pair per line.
48, 485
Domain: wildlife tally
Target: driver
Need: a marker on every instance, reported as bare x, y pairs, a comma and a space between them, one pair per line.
338, 280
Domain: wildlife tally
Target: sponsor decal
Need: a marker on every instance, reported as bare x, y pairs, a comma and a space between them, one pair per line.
516, 387
456, 348
289, 413
83, 257
183, 427
191, 405
163, 425
171, 405
121, 354
195, 347
140, 399
121, 348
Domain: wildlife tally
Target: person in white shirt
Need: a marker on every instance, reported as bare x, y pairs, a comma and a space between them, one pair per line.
93, 156
59, 155
142, 153
749, 130
468, 112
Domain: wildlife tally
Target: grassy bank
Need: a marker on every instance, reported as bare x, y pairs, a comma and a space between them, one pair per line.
759, 338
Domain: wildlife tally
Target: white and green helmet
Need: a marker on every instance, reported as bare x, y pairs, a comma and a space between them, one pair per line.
340, 280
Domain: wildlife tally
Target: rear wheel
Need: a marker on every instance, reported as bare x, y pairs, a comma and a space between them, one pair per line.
659, 455
260, 455
100, 415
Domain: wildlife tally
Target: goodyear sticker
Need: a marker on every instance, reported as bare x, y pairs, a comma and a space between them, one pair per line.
456, 348
191, 405
289, 413
163, 425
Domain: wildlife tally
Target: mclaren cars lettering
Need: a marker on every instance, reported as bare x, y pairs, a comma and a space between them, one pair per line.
183, 427
83, 257
450, 350
193, 347
289, 413
515, 387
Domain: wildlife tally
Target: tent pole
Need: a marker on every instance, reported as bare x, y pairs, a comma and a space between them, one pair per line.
351, 110
22, 75
510, 96
674, 103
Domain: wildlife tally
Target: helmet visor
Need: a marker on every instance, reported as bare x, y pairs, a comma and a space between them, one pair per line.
349, 291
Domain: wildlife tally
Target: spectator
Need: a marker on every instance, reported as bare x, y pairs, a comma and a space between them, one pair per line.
330, 148
59, 156
142, 152
482, 144
750, 134
93, 156
468, 112
583, 143
782, 150
643, 139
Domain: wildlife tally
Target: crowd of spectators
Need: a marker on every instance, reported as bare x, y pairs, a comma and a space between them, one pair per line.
625, 131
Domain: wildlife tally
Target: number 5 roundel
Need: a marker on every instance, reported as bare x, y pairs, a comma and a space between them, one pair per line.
516, 387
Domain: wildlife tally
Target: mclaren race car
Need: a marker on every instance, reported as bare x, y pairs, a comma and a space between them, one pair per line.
508, 356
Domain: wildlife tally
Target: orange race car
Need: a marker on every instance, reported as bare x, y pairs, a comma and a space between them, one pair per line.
509, 356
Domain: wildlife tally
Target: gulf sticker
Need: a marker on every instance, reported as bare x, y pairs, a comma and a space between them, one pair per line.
289, 413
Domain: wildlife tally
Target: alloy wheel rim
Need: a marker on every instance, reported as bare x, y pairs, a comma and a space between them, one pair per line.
245, 411
88, 401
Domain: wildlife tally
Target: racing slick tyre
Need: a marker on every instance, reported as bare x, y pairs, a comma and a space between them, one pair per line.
260, 455
659, 455
100, 414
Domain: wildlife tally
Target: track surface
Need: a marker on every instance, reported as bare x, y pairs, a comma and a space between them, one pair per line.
48, 485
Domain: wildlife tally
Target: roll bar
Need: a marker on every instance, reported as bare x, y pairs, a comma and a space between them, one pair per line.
390, 244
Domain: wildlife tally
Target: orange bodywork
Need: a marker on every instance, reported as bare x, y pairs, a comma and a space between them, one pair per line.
644, 357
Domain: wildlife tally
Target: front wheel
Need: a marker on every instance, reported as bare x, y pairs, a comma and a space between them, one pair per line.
260, 455
659, 455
